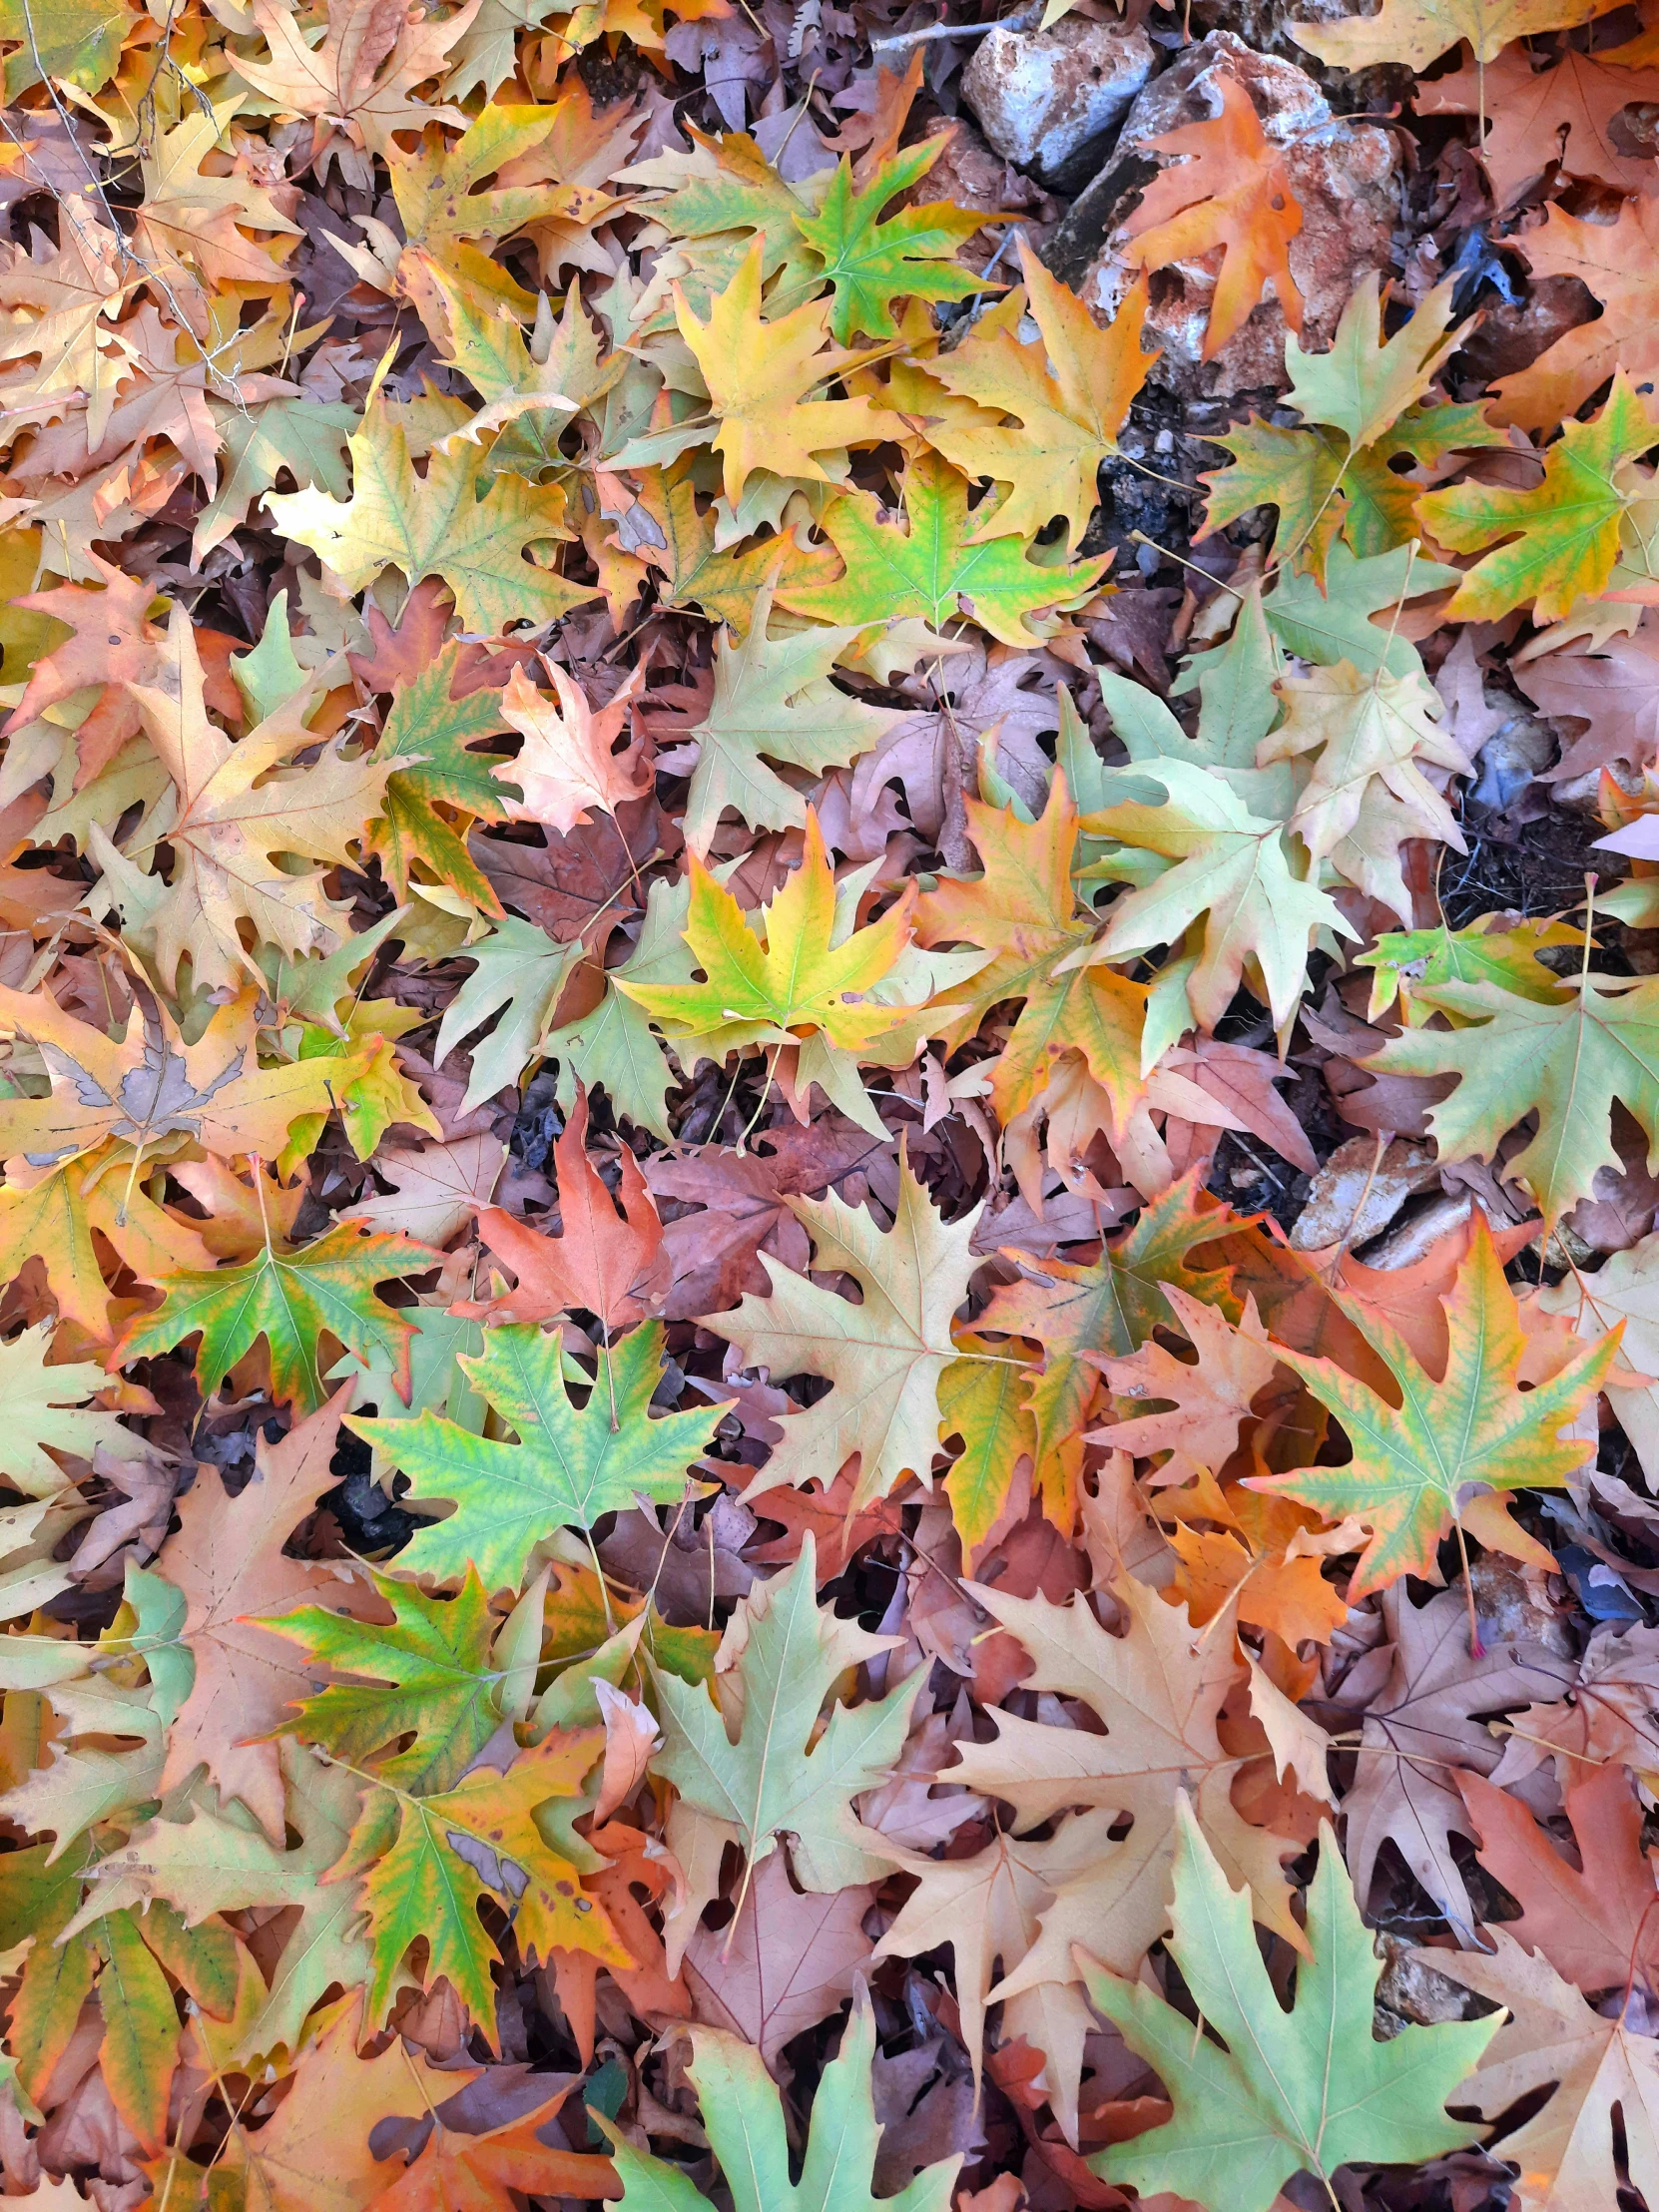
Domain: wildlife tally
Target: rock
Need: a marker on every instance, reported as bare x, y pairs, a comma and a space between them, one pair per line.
1046, 100
969, 175
1346, 175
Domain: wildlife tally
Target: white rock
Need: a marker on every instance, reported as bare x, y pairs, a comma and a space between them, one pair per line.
1046, 100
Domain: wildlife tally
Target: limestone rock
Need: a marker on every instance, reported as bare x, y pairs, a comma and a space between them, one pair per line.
1048, 100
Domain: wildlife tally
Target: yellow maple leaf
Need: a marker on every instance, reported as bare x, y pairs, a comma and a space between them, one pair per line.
759, 375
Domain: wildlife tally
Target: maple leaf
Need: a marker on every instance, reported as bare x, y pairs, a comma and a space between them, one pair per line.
226, 826
417, 1886
434, 731
773, 701
1562, 537
362, 72
1231, 189
520, 974
1492, 950
1417, 32
743, 2115
993, 1906
867, 263
1598, 2071
192, 219
792, 1959
798, 979
79, 44
460, 521
1594, 1923
1209, 1399
759, 375
290, 1299
436, 190
568, 762
48, 1410
927, 564
1566, 1060
151, 1085
1068, 391
455, 2171
226, 1559
1080, 1315
1304, 2091
53, 1221
603, 1262
887, 1355
1530, 108
1420, 1737
1426, 1464
1615, 262
1024, 910
1160, 1691
779, 1776
568, 1467
1232, 869
426, 1672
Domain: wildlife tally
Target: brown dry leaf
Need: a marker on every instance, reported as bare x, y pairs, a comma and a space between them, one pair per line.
1595, 1923
227, 1561
435, 1189
607, 1262
786, 1962
1417, 1697
1608, 699
1210, 1397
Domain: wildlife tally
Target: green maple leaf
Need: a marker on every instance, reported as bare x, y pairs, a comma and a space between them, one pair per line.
868, 264
520, 974
1415, 1467
292, 1299
1303, 2091
567, 1468
1561, 538
1335, 623
614, 1048
434, 730
428, 1675
773, 702
743, 2114
926, 564
779, 1777
458, 522
1410, 963
1231, 867
1566, 1061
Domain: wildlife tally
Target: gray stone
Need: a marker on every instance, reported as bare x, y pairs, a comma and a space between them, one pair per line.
1047, 100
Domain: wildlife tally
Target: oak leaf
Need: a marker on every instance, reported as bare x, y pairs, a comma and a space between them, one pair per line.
568, 762
1615, 262
362, 73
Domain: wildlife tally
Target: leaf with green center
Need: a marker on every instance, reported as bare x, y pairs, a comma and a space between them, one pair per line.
434, 731
427, 1675
926, 564
458, 521
1418, 1466
1334, 622
613, 1047
1232, 871
1068, 391
1405, 963
773, 701
1110, 1308
780, 1776
292, 1300
1566, 1060
887, 1354
869, 264
567, 1468
796, 979
73, 42
743, 2114
1364, 382
417, 1887
1560, 539
1024, 910
1281, 2093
